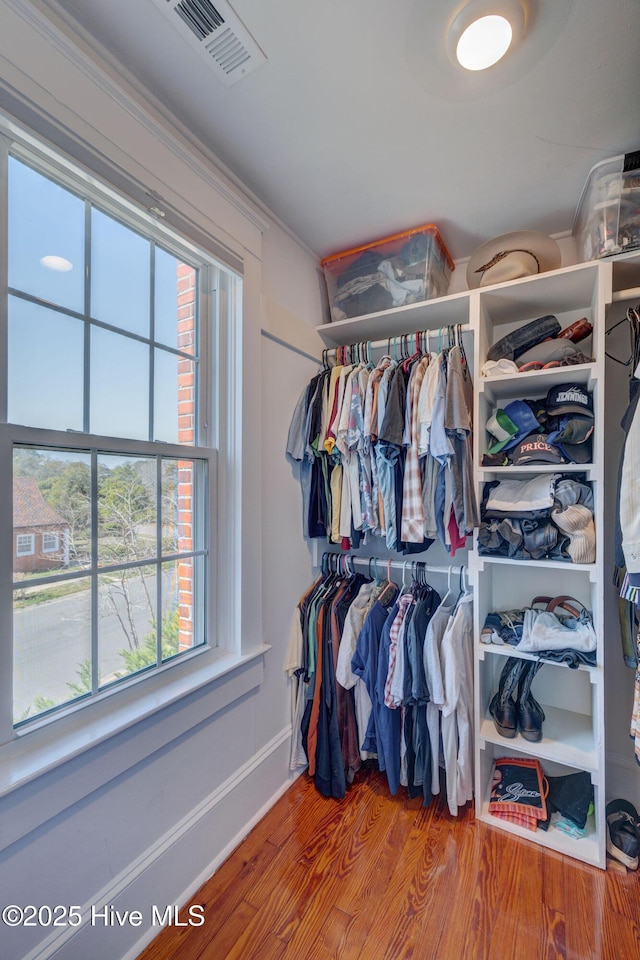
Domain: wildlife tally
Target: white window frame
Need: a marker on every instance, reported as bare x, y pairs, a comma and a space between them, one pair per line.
53, 738
56, 542
32, 544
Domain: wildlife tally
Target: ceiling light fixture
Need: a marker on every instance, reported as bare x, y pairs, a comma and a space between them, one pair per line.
482, 32
434, 31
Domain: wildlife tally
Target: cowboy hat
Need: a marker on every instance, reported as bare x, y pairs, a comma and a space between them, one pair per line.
510, 256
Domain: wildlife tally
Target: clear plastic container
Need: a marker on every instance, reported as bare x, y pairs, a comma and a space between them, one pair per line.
607, 220
405, 268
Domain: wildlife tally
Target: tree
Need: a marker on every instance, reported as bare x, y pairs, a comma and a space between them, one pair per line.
146, 654
69, 493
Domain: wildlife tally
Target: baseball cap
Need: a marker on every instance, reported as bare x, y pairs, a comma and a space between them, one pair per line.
511, 424
574, 437
535, 448
569, 398
502, 427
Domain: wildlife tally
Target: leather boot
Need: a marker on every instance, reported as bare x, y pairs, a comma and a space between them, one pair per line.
528, 711
502, 707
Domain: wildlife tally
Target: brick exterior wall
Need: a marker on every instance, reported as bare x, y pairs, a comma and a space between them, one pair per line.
39, 561
186, 434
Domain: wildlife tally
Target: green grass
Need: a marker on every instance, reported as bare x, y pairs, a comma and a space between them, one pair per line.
33, 595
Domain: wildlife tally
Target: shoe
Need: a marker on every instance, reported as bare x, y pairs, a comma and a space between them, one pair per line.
577, 331
623, 833
502, 707
523, 338
529, 713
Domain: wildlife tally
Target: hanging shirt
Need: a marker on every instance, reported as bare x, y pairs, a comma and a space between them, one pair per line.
412, 530
433, 674
458, 424
356, 616
457, 710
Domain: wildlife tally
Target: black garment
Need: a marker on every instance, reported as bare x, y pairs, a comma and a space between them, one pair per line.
329, 777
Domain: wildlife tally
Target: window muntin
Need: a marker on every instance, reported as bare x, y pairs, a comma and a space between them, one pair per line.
121, 360
130, 323
50, 542
25, 544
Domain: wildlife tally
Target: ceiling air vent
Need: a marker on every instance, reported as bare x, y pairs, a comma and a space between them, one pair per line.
216, 32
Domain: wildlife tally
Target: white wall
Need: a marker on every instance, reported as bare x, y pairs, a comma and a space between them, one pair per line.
147, 815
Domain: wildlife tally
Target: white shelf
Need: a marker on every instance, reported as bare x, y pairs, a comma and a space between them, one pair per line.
567, 738
586, 848
589, 568
558, 291
426, 315
555, 291
537, 382
505, 650
534, 469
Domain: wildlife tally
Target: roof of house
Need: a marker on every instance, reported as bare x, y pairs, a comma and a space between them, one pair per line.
30, 509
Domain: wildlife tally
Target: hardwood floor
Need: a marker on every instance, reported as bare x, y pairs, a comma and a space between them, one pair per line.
383, 878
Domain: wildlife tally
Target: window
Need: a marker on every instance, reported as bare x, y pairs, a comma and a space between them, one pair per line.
25, 544
111, 325
50, 542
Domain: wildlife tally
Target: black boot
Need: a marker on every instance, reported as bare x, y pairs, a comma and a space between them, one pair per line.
502, 707
529, 712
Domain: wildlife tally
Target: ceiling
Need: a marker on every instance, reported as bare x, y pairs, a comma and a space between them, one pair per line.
357, 127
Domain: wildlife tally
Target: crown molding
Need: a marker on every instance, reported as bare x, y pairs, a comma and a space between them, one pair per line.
81, 60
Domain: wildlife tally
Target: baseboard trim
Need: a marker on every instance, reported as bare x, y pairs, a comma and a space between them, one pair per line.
60, 944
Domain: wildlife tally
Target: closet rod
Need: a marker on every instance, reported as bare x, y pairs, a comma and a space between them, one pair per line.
378, 344
403, 565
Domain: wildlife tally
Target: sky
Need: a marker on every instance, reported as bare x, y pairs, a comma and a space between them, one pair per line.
46, 347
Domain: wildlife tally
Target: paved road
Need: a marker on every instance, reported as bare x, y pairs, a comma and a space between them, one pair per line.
53, 638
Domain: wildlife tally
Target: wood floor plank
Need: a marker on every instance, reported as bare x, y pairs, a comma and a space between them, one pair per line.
374, 877
585, 890
330, 939
228, 933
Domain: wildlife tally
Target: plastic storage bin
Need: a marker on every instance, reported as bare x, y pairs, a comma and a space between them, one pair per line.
404, 268
607, 220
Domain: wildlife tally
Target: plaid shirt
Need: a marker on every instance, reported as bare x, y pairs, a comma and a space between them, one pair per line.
404, 603
412, 529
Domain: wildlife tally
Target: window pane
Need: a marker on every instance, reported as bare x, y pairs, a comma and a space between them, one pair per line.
127, 509
46, 223
175, 302
45, 367
52, 646
174, 399
182, 605
119, 386
169, 506
52, 502
127, 605
120, 275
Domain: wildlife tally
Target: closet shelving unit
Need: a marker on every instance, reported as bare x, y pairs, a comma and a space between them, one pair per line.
573, 700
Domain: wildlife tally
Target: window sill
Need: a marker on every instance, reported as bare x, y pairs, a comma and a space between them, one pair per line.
188, 692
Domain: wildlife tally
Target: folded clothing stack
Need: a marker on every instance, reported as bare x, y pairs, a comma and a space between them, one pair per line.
569, 803
563, 632
522, 793
518, 791
538, 345
548, 517
555, 429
